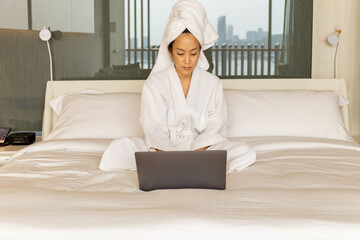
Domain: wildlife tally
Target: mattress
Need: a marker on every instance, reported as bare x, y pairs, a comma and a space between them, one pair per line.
299, 188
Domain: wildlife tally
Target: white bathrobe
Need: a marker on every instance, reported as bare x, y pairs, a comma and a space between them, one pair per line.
179, 123
169, 120
172, 122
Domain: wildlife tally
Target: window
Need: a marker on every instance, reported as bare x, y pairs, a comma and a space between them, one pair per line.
123, 42
246, 29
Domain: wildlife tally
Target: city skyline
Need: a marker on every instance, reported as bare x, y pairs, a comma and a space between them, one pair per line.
227, 35
252, 36
243, 15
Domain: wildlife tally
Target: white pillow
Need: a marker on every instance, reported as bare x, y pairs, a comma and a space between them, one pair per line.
56, 103
285, 113
97, 115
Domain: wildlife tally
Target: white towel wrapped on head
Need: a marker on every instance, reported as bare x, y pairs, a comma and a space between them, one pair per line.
191, 15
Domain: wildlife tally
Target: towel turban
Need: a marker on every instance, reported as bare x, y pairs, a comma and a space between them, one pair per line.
191, 15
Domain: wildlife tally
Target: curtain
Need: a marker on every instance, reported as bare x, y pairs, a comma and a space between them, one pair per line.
296, 53
287, 44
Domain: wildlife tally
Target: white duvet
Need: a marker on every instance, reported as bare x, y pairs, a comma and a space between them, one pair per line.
299, 188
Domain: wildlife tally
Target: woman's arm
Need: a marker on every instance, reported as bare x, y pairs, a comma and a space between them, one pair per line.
153, 119
215, 130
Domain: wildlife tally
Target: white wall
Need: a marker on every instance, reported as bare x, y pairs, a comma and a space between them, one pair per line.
328, 15
63, 15
13, 14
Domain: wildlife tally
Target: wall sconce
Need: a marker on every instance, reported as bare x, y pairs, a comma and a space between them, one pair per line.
45, 35
334, 39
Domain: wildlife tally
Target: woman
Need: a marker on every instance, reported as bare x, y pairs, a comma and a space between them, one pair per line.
182, 105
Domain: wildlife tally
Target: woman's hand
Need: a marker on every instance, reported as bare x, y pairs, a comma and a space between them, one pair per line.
202, 149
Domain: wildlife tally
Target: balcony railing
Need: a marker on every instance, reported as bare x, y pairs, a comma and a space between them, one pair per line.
252, 60
228, 61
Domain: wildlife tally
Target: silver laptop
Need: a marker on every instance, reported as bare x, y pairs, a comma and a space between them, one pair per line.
181, 169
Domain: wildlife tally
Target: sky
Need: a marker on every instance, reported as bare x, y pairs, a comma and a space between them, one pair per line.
244, 15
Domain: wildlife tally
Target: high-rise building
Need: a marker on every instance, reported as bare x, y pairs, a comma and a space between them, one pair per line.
261, 33
221, 30
236, 39
251, 36
230, 34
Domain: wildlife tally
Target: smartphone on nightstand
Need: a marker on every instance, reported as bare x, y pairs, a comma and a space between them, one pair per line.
4, 133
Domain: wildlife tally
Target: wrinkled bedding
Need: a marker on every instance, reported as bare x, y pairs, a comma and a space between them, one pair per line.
299, 188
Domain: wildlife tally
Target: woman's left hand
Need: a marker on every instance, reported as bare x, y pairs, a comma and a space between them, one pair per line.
202, 149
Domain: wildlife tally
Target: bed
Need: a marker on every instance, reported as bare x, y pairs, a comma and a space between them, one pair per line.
305, 183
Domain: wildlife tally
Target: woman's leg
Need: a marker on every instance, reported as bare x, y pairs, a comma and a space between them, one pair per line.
120, 154
239, 154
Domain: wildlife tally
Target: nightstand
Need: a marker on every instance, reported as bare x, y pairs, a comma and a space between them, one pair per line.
7, 151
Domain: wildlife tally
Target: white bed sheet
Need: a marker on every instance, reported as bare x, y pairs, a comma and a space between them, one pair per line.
302, 188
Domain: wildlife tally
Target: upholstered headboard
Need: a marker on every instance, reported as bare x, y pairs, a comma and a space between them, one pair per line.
56, 88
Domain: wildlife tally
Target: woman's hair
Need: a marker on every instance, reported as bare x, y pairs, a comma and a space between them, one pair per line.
170, 47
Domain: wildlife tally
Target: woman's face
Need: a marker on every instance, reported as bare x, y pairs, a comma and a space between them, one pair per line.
185, 54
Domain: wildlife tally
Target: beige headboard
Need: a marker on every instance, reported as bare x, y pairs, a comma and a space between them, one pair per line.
56, 88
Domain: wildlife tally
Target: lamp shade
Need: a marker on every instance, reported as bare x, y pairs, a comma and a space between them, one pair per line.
333, 39
45, 34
